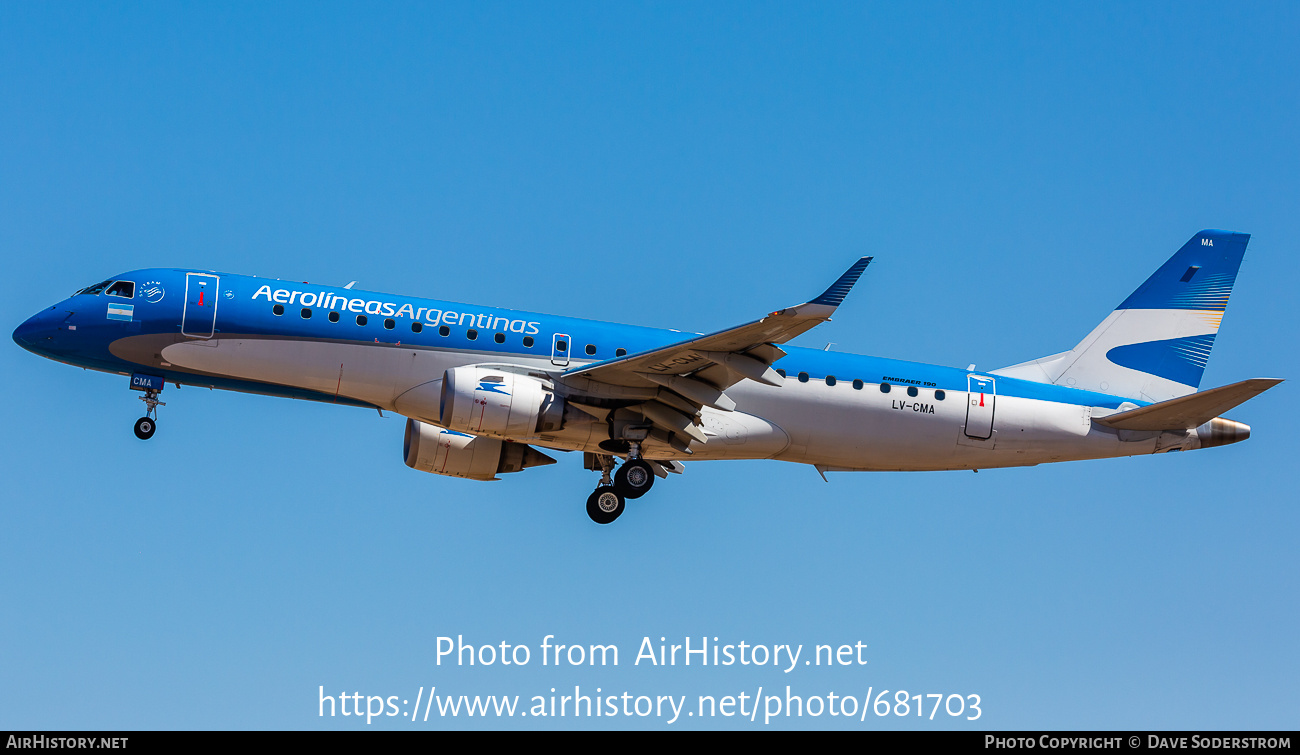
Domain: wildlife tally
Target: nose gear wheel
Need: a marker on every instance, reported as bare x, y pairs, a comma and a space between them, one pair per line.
146, 425
144, 428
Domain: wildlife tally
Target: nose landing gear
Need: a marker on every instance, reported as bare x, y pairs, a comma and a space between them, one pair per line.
146, 425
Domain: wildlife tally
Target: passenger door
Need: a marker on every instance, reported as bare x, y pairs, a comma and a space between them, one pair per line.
982, 397
199, 319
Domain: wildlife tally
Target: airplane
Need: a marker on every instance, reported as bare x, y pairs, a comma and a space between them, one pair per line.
484, 388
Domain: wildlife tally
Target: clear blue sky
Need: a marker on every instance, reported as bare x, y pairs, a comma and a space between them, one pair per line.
1016, 170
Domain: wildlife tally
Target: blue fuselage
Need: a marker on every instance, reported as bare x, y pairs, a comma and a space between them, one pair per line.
80, 330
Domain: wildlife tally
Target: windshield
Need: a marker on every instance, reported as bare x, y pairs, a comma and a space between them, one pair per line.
95, 289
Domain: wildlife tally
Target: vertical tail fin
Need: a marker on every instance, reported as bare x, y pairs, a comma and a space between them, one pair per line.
1155, 345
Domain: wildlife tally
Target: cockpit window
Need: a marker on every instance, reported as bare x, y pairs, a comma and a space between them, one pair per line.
94, 290
124, 289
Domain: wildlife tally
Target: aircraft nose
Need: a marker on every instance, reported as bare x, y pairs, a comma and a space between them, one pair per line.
37, 330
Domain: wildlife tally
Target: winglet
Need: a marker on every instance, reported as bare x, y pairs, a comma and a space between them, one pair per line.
834, 295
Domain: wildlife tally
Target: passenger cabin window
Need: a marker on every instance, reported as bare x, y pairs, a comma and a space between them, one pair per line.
830, 380
361, 319
306, 313
278, 309
124, 289
591, 349
389, 324
416, 327
444, 331
334, 316
912, 391
857, 385
803, 377
499, 338
884, 387
561, 346
471, 334
939, 395
528, 342
620, 352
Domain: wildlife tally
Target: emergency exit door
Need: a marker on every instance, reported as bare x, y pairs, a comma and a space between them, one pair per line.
560, 350
981, 398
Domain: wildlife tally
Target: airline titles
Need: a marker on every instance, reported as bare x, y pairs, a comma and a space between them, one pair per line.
429, 315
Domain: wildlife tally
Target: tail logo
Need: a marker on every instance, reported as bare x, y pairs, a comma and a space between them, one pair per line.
1181, 360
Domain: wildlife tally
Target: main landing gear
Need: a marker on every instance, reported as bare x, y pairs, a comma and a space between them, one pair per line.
146, 425
632, 480
605, 504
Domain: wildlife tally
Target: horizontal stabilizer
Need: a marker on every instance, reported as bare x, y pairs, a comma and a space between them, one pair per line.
1188, 411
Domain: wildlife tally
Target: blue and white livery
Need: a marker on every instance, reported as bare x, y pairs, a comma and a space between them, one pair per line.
485, 388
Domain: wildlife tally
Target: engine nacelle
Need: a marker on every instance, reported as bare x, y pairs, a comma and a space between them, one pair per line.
430, 448
488, 401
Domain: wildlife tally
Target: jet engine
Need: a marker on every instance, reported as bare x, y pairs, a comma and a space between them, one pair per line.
487, 401
430, 448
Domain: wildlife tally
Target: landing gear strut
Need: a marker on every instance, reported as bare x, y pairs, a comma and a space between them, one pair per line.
145, 426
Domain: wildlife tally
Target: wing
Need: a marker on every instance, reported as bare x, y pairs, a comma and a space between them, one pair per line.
674, 382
